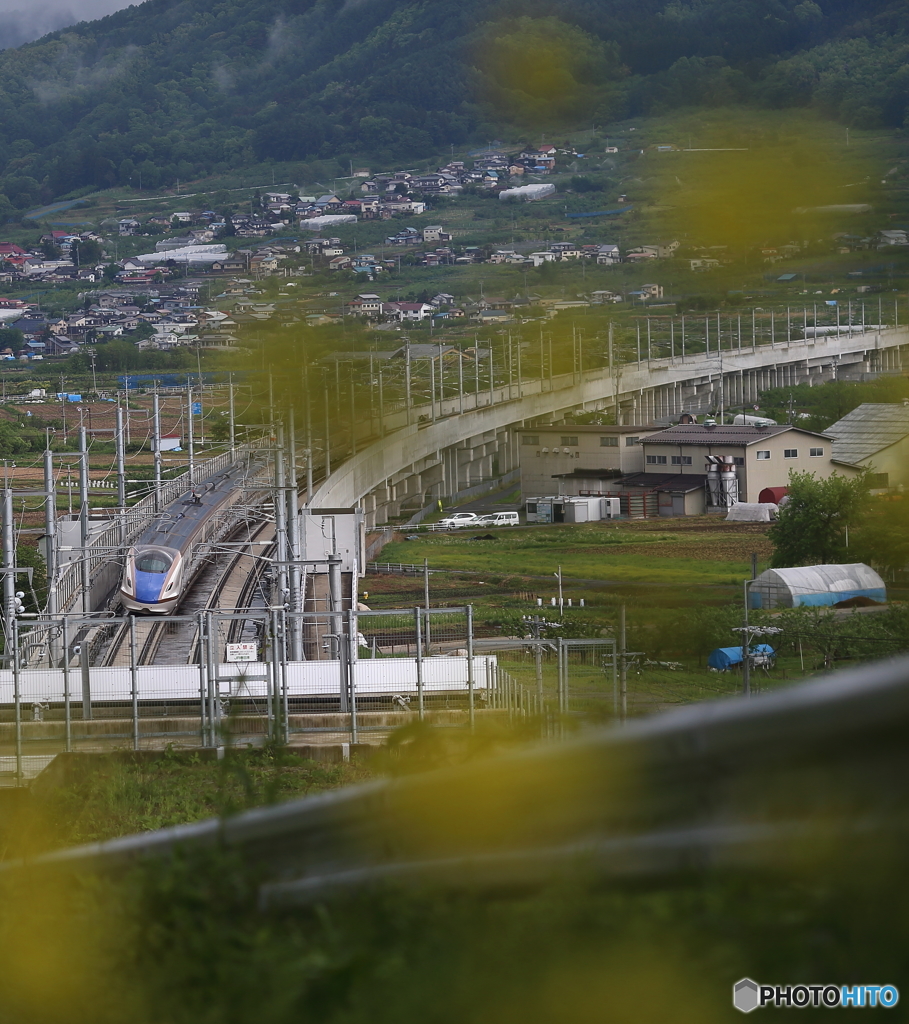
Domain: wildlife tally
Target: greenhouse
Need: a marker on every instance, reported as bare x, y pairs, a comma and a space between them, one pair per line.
817, 585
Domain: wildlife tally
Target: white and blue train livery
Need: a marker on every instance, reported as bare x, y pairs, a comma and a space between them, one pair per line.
152, 580
160, 566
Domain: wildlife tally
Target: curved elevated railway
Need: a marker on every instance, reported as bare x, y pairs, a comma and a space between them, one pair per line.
185, 536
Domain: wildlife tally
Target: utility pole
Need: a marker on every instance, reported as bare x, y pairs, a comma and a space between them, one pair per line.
293, 541
408, 398
50, 531
558, 576
9, 577
308, 448
83, 521
280, 502
231, 421
426, 602
121, 460
189, 433
156, 448
328, 435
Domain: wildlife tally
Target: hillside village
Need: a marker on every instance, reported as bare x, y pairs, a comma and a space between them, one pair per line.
201, 279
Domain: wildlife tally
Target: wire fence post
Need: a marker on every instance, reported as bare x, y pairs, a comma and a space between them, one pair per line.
471, 710
352, 671
86, 681
17, 698
203, 688
134, 680
561, 683
67, 707
419, 660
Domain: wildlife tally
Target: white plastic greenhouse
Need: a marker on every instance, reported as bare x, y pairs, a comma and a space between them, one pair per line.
816, 585
327, 221
528, 192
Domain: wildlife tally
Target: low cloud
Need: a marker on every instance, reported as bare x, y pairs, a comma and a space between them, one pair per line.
18, 25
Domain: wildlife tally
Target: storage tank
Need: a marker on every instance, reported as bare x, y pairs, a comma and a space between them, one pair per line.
729, 484
817, 586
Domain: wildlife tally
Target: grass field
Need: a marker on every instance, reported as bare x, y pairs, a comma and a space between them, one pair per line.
92, 799
700, 551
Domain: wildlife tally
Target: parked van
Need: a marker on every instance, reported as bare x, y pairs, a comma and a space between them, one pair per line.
499, 519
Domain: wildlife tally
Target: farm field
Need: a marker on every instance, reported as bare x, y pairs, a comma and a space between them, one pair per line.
700, 551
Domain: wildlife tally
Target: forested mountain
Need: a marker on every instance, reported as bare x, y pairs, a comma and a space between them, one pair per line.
178, 88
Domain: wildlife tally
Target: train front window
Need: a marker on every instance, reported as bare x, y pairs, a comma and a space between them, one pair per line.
153, 563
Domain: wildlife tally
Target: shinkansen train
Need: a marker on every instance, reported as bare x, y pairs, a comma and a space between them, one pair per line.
159, 566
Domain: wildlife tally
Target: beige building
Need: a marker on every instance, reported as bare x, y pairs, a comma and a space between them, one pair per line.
875, 437
572, 459
762, 456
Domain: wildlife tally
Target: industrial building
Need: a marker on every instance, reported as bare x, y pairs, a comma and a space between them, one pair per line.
576, 459
682, 470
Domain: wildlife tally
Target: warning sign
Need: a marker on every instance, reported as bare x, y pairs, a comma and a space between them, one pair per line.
242, 652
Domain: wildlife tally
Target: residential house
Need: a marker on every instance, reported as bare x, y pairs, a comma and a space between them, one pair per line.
608, 255
435, 233
408, 311
494, 316
406, 236
365, 304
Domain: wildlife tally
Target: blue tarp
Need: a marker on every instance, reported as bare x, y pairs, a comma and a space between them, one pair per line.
726, 657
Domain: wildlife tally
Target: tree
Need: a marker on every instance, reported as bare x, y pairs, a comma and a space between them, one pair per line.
813, 524
12, 338
86, 253
882, 538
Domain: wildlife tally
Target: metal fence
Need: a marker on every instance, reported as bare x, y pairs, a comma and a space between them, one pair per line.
124, 682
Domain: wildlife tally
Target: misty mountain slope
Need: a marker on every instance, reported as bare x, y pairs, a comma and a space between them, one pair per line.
178, 88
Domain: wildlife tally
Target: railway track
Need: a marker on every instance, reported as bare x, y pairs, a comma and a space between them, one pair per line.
239, 588
176, 643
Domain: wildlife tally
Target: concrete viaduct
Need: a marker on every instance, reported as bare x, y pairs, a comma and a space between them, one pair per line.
467, 444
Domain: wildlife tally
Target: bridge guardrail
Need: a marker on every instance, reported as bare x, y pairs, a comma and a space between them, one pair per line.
793, 774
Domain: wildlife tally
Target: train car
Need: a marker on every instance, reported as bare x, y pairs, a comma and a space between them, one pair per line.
159, 566
152, 579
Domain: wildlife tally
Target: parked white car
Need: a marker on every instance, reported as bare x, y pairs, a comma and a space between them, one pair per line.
499, 519
459, 519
